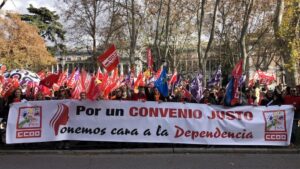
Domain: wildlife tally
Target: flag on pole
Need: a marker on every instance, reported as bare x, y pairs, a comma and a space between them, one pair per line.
229, 92
9, 86
232, 89
161, 83
173, 78
178, 80
109, 59
63, 77
216, 78
196, 87
50, 80
73, 78
158, 72
149, 59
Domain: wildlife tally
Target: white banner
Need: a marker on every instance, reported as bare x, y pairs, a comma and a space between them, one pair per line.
152, 122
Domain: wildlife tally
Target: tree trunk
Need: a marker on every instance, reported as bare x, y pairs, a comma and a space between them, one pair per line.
199, 25
211, 38
290, 76
132, 38
112, 19
243, 47
156, 35
167, 31
2, 4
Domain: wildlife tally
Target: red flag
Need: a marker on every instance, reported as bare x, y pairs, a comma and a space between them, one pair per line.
238, 69
9, 86
50, 80
30, 89
158, 73
95, 89
62, 78
109, 59
73, 78
92, 88
116, 74
77, 90
139, 81
173, 78
109, 88
99, 74
55, 87
85, 80
149, 59
41, 74
237, 72
186, 94
45, 90
1, 79
265, 78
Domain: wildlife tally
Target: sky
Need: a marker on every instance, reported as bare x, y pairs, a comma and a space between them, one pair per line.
20, 6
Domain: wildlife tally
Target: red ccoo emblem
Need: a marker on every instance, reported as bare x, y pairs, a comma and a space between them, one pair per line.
61, 117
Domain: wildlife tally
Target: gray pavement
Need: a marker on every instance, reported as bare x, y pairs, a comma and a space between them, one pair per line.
212, 150
150, 161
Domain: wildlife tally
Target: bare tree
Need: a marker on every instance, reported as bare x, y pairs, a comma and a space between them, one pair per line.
200, 18
211, 38
246, 17
157, 32
83, 18
2, 3
167, 38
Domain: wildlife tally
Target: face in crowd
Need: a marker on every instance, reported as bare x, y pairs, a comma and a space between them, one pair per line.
82, 95
119, 93
18, 93
269, 94
39, 96
206, 93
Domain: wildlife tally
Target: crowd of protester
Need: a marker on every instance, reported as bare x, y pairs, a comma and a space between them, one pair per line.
256, 96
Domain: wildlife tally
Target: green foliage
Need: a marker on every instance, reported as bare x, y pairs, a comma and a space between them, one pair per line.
47, 22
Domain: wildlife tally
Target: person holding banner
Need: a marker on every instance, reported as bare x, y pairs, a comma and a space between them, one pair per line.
82, 96
140, 96
16, 96
118, 95
272, 98
154, 95
220, 96
207, 98
250, 96
40, 96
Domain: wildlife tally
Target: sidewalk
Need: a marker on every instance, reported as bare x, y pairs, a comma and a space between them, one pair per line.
131, 149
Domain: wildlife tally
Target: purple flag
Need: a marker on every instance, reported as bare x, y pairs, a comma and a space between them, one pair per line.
216, 78
196, 87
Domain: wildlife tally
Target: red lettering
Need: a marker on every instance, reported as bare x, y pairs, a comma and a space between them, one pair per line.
163, 112
230, 115
172, 113
133, 111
